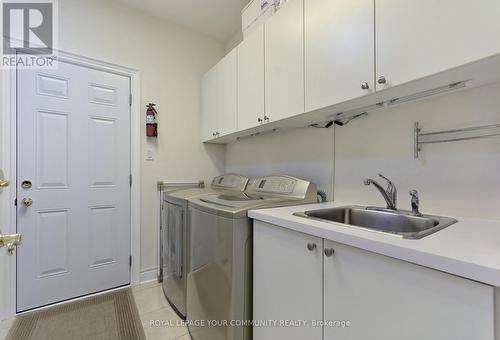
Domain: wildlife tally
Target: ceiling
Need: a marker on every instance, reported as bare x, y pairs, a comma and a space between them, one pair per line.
219, 19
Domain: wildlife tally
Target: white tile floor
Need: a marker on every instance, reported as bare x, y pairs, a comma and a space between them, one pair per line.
158, 318
160, 322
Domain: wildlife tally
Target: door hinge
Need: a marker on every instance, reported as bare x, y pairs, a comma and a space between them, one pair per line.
130, 180
130, 261
15, 202
130, 99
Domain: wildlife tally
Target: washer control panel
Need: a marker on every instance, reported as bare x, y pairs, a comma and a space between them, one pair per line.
232, 182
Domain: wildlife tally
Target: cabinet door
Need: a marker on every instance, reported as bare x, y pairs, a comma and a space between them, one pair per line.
339, 50
287, 282
209, 105
386, 298
251, 80
284, 46
416, 38
227, 93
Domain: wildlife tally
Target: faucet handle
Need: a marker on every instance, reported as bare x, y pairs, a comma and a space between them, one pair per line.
415, 203
387, 179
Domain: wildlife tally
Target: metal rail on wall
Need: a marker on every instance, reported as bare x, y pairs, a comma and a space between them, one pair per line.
455, 135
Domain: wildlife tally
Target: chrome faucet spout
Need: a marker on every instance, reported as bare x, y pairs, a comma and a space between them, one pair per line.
389, 194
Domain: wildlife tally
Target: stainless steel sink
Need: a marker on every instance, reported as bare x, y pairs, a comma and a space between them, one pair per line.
395, 222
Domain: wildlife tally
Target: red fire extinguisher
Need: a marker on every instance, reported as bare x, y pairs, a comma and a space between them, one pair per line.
151, 121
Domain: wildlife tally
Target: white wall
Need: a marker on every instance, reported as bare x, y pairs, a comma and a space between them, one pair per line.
171, 61
235, 40
305, 153
454, 179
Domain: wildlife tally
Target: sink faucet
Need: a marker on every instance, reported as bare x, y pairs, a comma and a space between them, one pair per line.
415, 203
389, 194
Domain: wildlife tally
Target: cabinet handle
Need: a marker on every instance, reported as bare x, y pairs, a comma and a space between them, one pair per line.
382, 80
213, 134
365, 86
311, 246
329, 252
259, 120
266, 118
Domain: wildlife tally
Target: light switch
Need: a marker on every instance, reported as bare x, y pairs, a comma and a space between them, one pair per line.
149, 155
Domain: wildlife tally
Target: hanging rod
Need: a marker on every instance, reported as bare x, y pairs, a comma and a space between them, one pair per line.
171, 185
443, 136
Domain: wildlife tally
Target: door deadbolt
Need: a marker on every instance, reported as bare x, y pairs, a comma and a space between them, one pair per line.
27, 201
26, 184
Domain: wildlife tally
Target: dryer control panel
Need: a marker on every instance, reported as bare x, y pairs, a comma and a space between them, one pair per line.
281, 185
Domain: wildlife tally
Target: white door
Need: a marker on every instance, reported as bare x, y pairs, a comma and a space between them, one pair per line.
74, 147
390, 299
251, 80
288, 282
284, 48
227, 93
416, 38
339, 50
209, 105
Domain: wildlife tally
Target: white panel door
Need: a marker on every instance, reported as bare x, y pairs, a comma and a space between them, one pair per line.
227, 93
416, 38
251, 80
389, 299
284, 46
209, 105
339, 51
288, 282
74, 147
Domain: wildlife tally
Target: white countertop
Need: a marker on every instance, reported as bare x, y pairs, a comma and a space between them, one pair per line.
469, 248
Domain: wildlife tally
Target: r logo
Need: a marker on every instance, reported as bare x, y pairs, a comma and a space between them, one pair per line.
28, 25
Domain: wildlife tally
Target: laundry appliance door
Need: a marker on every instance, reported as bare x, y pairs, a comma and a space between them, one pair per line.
219, 283
174, 252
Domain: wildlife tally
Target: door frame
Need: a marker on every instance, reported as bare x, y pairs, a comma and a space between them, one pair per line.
9, 160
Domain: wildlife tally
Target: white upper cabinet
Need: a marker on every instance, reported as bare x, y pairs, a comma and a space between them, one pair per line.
227, 93
251, 80
209, 105
390, 299
417, 38
339, 51
284, 49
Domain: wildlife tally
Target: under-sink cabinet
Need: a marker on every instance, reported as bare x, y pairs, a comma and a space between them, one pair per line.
342, 292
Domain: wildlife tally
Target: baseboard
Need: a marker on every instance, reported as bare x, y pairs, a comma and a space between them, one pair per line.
149, 274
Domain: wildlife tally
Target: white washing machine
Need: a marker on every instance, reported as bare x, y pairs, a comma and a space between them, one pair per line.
219, 284
175, 235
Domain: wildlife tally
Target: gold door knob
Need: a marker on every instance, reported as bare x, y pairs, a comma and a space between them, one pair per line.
27, 201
